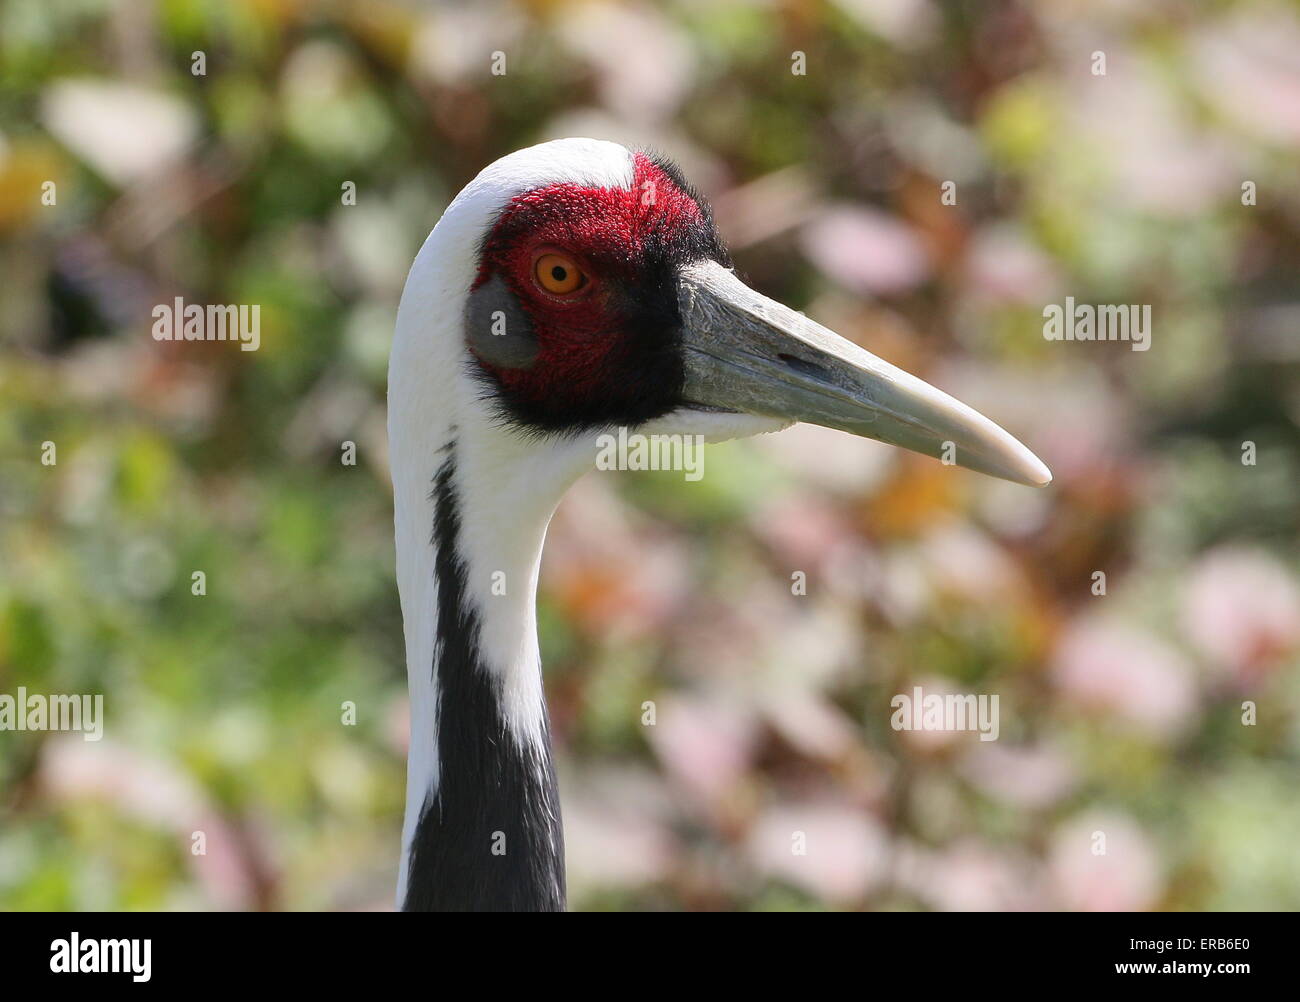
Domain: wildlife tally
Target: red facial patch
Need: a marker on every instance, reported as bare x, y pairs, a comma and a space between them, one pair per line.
603, 221
597, 346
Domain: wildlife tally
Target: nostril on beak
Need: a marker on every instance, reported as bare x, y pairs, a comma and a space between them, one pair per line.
807, 368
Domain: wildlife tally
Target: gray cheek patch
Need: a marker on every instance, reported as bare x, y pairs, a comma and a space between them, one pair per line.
497, 328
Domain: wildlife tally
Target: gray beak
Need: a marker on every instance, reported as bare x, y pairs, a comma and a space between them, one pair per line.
745, 352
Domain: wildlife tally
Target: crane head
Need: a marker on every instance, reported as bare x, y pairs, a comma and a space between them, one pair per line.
603, 296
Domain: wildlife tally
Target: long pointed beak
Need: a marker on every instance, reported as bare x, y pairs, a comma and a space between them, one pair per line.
745, 352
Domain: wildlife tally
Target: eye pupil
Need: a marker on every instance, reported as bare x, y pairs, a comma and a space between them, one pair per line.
557, 274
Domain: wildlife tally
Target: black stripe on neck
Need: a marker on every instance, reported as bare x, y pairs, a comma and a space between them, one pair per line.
492, 795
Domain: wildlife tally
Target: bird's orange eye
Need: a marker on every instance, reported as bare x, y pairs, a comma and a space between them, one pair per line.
558, 275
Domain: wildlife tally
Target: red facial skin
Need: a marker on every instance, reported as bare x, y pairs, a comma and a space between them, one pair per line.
607, 352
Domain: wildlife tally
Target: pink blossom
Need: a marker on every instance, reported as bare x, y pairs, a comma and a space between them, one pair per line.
1104, 862
1117, 669
1242, 611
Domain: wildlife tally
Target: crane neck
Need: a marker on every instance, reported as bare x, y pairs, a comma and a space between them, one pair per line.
488, 833
482, 828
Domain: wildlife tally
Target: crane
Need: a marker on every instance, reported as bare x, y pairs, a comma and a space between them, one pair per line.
571, 288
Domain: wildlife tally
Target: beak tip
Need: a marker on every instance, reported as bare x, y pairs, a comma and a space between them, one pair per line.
1038, 475
1019, 465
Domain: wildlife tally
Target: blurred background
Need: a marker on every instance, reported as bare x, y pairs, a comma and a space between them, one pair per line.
1121, 712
